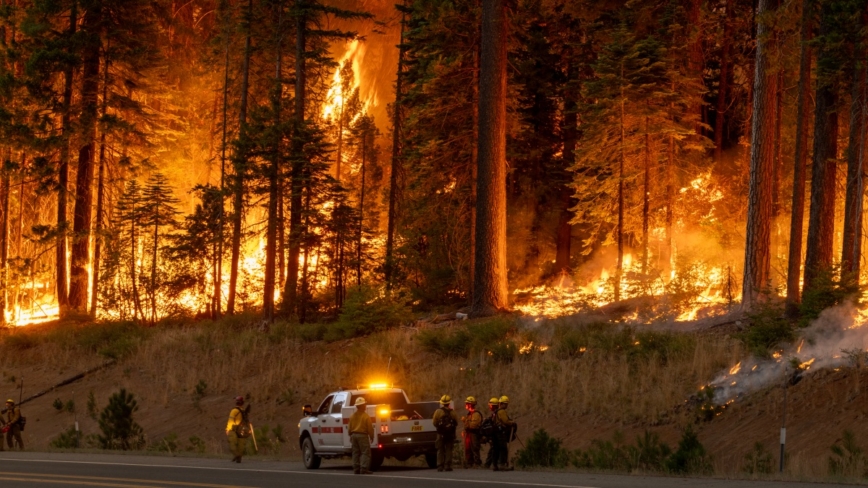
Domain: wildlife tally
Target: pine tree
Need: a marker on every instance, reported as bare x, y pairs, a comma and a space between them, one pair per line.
119, 429
159, 215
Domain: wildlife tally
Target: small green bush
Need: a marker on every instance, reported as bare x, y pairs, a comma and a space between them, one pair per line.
759, 460
196, 444
113, 340
366, 310
488, 336
67, 439
58, 404
690, 457
848, 457
168, 444
542, 450
649, 453
119, 430
827, 290
769, 328
69, 406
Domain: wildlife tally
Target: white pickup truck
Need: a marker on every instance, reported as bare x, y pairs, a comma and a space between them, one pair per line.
401, 429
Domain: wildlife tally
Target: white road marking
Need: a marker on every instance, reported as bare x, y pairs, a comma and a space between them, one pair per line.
320, 473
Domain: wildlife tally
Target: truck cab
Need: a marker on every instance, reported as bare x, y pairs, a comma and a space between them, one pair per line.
402, 429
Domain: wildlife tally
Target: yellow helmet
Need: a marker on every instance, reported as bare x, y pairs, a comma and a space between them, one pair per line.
9, 400
445, 400
360, 401
471, 400
504, 399
494, 401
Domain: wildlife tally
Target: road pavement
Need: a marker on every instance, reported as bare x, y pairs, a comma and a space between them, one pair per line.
36, 469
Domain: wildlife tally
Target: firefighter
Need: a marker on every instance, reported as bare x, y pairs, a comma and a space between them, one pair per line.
505, 431
492, 440
361, 436
237, 429
472, 437
13, 421
446, 421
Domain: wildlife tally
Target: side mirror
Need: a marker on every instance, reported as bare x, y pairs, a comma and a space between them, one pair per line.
307, 410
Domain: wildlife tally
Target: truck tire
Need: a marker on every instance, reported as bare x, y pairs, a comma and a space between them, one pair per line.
431, 459
308, 454
377, 458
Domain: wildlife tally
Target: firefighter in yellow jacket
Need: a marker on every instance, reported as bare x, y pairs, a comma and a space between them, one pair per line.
237, 430
445, 421
505, 430
13, 421
361, 436
472, 437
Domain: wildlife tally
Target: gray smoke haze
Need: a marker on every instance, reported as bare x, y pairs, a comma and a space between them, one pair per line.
837, 329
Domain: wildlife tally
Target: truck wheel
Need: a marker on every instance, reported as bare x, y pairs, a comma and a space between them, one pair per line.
377, 459
431, 459
308, 455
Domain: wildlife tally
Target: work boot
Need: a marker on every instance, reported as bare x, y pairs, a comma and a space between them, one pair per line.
365, 471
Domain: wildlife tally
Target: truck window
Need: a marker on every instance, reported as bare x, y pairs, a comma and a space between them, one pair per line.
324, 407
338, 402
395, 399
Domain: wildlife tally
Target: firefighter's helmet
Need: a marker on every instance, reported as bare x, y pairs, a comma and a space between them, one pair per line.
360, 401
504, 399
239, 400
445, 400
471, 400
494, 401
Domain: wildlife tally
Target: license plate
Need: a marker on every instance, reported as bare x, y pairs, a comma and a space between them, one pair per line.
416, 428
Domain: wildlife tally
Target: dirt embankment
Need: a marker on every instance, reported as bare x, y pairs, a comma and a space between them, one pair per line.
576, 399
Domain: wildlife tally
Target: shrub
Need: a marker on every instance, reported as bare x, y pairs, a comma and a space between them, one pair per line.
604, 455
58, 404
366, 310
196, 444
113, 340
649, 453
690, 457
119, 430
488, 336
91, 405
847, 457
768, 328
67, 439
70, 406
758, 461
166, 444
826, 290
542, 450
199, 392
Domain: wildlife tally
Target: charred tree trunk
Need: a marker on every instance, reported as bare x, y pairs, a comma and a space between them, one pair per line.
646, 196
154, 254
217, 308
851, 254
490, 281
797, 220
821, 219
361, 210
757, 260
723, 83
240, 168
81, 221
4, 238
63, 177
290, 292
569, 130
100, 196
273, 170
696, 61
778, 174
395, 167
619, 230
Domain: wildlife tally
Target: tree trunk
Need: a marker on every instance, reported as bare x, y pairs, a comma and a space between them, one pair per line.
4, 240
803, 123
240, 168
851, 254
271, 231
821, 219
757, 260
81, 221
290, 292
778, 174
723, 83
361, 209
154, 266
490, 281
63, 177
696, 61
570, 134
389, 267
619, 231
137, 304
217, 308
100, 195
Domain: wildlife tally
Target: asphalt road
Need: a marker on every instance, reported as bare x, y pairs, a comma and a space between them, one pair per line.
123, 471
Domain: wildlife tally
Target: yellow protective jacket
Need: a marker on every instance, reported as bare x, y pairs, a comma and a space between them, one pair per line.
12, 416
503, 418
472, 421
360, 423
235, 418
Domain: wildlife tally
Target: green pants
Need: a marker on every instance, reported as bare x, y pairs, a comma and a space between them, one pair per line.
361, 452
236, 444
472, 446
444, 451
14, 434
503, 449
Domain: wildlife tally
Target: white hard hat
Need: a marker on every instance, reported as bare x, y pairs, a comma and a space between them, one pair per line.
360, 401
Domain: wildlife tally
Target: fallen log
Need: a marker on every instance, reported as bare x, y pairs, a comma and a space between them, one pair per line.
71, 379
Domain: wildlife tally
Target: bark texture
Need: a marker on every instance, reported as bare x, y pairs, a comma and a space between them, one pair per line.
489, 279
757, 258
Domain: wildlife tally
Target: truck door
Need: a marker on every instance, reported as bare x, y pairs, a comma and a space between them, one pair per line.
333, 427
318, 426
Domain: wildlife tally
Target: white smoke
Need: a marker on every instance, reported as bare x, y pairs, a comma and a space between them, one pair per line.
838, 336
